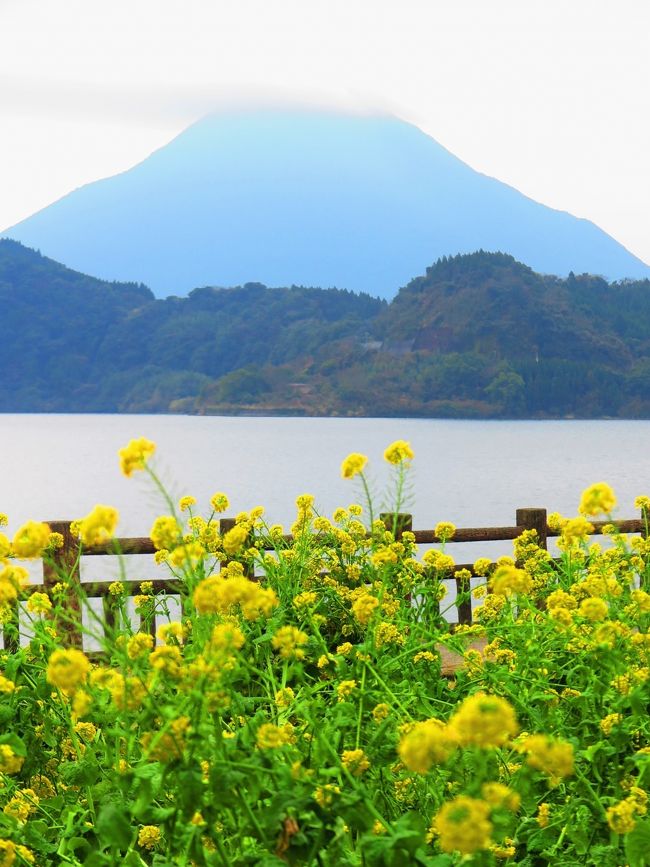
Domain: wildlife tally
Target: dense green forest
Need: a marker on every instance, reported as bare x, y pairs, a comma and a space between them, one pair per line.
478, 335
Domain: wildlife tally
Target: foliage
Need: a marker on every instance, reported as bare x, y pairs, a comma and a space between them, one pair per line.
304, 719
478, 335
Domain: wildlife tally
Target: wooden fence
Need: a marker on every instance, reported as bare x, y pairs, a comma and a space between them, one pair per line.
66, 560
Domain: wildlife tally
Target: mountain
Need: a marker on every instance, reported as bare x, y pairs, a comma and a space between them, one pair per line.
72, 343
476, 336
312, 198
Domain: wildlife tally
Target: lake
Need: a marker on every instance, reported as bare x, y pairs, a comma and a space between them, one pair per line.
468, 472
474, 473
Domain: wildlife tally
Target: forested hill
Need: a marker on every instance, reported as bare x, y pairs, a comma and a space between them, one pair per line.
71, 343
479, 335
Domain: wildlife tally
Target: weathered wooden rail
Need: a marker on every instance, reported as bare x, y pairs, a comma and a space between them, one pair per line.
66, 560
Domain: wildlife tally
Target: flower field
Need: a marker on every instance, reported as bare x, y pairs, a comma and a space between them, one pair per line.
302, 718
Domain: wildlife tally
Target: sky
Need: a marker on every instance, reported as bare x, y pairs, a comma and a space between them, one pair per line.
550, 97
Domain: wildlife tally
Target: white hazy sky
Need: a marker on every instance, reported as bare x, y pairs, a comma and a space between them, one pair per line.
551, 97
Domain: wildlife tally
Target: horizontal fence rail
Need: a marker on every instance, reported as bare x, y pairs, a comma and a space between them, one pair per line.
66, 560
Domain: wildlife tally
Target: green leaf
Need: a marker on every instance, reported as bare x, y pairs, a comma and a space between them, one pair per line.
113, 827
35, 836
638, 703
7, 712
637, 845
82, 773
96, 859
12, 740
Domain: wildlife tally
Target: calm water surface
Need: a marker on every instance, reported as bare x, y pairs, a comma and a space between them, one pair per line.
474, 473
469, 472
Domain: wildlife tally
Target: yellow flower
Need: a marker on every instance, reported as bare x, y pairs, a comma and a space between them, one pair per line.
170, 633
10, 763
139, 644
364, 607
442, 563
481, 566
642, 503
284, 697
167, 658
425, 655
560, 599
167, 745
355, 761
6, 685
345, 689
43, 787
597, 499
484, 720
445, 530
621, 816
185, 503
508, 579
9, 850
68, 669
593, 608
353, 464
498, 795
99, 525
5, 546
227, 637
149, 837
389, 633
308, 599
463, 825
218, 594
235, 538
574, 531
608, 722
324, 795
552, 756
187, 554
116, 588
305, 502
398, 452
543, 815
165, 532
31, 539
81, 703
22, 805
219, 502
135, 455
288, 642
271, 737
39, 603
425, 743
4, 520
380, 712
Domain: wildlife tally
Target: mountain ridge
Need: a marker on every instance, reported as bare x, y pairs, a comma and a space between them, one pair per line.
476, 336
320, 199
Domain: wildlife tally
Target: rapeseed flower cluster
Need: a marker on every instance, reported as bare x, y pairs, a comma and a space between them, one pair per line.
300, 697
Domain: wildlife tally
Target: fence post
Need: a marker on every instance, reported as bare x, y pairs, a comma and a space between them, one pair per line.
645, 532
63, 567
533, 519
399, 522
